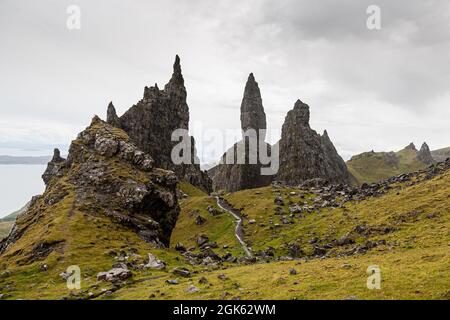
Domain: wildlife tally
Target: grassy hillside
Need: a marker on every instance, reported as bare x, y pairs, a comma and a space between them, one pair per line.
411, 222
5, 226
370, 167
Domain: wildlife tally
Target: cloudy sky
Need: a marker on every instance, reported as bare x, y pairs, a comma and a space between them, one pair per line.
371, 89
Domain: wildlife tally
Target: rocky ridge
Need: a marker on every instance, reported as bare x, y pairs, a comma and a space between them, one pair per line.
151, 122
104, 174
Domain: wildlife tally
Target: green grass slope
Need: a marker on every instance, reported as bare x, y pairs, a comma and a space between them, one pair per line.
219, 228
5, 227
414, 262
414, 259
371, 167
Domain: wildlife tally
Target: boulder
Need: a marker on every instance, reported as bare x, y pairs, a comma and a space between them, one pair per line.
154, 263
115, 274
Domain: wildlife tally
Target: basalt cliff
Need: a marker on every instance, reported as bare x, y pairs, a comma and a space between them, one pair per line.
240, 167
304, 154
151, 122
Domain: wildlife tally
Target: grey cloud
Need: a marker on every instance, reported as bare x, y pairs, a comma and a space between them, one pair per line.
319, 51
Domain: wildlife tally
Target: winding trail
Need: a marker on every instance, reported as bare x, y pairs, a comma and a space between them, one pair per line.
239, 231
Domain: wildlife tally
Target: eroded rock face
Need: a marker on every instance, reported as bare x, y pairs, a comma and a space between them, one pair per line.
54, 166
231, 175
252, 110
424, 154
106, 174
304, 154
151, 122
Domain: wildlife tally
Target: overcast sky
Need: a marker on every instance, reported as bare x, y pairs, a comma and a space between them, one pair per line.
371, 89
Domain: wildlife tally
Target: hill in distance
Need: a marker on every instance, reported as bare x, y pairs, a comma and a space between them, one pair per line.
373, 166
441, 154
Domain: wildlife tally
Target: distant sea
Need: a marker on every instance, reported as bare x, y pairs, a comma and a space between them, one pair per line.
18, 183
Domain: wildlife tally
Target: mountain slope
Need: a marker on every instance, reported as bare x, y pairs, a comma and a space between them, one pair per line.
77, 221
441, 154
5, 227
401, 225
373, 166
404, 231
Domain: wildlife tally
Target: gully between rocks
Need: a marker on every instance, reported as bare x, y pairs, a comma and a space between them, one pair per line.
239, 231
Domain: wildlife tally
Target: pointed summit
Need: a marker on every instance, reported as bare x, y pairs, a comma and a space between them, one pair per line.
175, 86
424, 154
54, 167
252, 110
111, 116
305, 154
411, 146
57, 156
151, 122
301, 111
177, 65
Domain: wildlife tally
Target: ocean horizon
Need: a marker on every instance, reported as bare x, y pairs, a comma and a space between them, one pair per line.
18, 184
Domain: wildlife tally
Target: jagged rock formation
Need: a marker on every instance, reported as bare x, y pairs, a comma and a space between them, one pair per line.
230, 175
304, 154
152, 120
54, 166
104, 174
424, 154
410, 146
252, 110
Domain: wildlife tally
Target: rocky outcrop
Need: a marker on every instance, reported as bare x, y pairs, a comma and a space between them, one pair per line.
104, 174
304, 154
54, 166
410, 146
151, 122
252, 110
424, 154
233, 175
111, 116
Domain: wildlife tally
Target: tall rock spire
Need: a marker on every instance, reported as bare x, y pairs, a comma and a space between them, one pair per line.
176, 82
247, 174
301, 112
304, 154
151, 122
252, 110
54, 167
424, 154
111, 116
